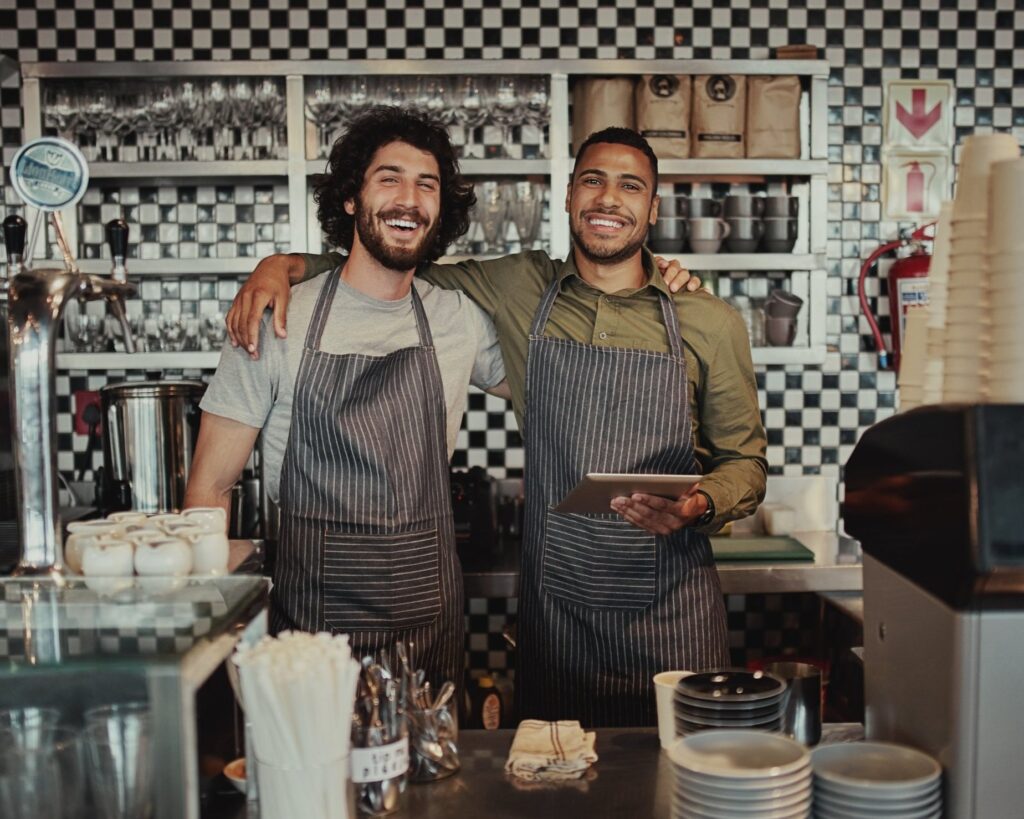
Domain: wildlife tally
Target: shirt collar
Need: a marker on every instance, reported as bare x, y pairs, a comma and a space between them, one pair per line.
654, 279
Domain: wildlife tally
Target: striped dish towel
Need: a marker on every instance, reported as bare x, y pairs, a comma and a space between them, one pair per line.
546, 751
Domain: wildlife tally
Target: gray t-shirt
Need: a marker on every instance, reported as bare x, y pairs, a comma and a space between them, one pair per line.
260, 393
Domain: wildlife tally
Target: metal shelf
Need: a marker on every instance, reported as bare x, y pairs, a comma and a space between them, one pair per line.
742, 167
474, 167
188, 170
175, 267
788, 355
138, 361
740, 262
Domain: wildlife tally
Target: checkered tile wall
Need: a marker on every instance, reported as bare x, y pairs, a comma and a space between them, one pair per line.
814, 415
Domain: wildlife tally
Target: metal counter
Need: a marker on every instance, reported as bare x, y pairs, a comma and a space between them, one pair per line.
836, 567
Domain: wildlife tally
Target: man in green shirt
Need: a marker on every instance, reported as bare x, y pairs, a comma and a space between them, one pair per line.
609, 372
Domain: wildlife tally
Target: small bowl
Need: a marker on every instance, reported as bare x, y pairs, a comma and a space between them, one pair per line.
235, 772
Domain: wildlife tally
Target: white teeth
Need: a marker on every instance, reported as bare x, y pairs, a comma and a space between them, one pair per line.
402, 223
605, 223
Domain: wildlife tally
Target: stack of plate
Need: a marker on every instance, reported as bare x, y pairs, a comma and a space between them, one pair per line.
729, 699
866, 780
730, 774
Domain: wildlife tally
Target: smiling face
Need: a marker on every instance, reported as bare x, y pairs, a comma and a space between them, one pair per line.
398, 206
611, 202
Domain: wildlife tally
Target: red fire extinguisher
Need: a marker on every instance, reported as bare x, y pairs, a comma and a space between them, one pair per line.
908, 287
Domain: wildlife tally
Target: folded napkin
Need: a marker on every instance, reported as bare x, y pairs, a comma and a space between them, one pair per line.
547, 751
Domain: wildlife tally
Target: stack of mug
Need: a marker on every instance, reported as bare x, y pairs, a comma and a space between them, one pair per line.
110, 552
744, 224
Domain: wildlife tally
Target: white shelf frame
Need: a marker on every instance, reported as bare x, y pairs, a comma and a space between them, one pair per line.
297, 169
138, 361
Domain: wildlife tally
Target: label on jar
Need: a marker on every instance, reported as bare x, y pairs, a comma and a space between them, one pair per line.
381, 762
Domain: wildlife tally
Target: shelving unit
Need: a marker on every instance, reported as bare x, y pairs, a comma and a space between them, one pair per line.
806, 266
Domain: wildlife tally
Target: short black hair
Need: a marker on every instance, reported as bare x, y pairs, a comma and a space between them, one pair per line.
621, 136
351, 156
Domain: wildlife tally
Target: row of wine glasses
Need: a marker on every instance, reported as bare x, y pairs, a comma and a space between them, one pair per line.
140, 120
469, 103
172, 332
501, 206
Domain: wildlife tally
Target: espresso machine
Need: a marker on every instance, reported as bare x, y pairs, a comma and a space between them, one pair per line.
936, 497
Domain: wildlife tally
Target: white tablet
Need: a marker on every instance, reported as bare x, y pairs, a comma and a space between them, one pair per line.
595, 490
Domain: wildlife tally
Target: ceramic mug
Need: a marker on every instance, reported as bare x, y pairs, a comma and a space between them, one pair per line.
108, 557
207, 515
210, 549
170, 556
81, 534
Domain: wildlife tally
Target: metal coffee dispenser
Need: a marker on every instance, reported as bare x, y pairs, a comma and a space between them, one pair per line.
936, 496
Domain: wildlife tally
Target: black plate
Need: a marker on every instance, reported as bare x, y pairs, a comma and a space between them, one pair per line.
731, 685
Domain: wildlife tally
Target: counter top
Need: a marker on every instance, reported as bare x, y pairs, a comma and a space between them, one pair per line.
836, 567
632, 777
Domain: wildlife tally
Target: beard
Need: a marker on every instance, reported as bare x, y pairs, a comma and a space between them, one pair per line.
393, 257
602, 254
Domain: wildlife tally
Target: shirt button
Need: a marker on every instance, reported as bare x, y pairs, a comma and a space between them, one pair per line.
602, 335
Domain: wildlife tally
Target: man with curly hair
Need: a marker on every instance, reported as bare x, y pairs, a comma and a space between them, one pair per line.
359, 409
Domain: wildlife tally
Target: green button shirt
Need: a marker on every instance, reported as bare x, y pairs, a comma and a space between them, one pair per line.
729, 439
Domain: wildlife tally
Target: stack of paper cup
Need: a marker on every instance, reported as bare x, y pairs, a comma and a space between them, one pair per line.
938, 301
912, 361
1006, 282
968, 336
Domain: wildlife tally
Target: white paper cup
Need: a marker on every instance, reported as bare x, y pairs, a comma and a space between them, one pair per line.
1006, 203
969, 244
664, 696
979, 153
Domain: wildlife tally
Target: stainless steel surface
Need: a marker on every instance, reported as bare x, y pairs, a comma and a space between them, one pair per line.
151, 429
948, 682
37, 300
836, 567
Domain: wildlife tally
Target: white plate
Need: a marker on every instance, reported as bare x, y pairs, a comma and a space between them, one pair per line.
875, 766
740, 755
858, 812
686, 808
769, 792
745, 807
882, 807
799, 778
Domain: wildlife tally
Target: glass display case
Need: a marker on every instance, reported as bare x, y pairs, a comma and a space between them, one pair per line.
74, 647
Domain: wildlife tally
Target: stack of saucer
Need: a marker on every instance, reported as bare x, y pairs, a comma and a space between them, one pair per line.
968, 328
729, 698
1006, 282
865, 780
728, 774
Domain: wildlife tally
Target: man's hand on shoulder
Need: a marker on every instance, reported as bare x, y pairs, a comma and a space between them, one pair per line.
676, 276
267, 287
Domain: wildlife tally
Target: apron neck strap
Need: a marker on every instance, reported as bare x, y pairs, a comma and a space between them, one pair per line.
668, 315
322, 309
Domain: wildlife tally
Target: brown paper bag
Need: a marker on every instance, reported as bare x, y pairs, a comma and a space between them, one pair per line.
718, 116
773, 117
663, 114
598, 103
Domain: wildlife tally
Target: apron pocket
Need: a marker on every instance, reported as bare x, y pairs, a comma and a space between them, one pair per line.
380, 582
599, 562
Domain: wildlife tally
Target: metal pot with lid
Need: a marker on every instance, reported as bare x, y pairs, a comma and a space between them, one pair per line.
150, 432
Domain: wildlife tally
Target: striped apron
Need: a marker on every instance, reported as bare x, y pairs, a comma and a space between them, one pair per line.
367, 540
603, 604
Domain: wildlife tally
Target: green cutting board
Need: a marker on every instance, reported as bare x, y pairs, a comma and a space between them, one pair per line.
769, 547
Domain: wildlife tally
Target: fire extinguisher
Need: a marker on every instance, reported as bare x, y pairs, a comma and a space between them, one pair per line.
908, 287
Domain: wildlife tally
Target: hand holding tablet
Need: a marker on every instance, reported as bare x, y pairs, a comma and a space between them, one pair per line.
594, 492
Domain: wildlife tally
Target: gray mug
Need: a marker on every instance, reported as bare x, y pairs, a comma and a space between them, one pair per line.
706, 234
674, 206
780, 234
668, 234
745, 206
744, 234
801, 716
782, 304
779, 332
699, 206
781, 206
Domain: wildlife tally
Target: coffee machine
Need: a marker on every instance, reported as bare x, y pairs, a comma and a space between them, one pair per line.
936, 497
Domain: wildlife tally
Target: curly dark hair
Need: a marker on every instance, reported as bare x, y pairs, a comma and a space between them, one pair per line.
350, 158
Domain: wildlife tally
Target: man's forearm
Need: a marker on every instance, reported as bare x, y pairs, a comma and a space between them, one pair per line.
209, 496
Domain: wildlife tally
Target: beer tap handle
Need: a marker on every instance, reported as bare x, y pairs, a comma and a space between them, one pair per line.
117, 238
15, 229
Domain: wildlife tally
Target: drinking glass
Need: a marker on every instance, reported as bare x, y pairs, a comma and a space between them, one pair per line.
118, 743
491, 211
42, 781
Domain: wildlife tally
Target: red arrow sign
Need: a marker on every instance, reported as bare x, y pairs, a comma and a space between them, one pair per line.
917, 121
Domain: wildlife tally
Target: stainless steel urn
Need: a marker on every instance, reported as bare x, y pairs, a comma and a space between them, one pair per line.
150, 431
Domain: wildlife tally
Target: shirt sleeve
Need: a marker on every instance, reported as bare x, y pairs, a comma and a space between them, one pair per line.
242, 389
731, 428
488, 367
317, 263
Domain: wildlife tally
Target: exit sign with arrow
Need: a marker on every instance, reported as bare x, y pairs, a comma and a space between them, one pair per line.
919, 114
